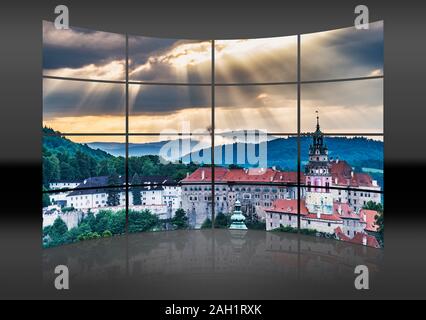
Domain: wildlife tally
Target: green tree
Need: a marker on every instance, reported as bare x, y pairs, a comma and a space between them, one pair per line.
81, 165
144, 220
58, 230
117, 222
101, 221
105, 168
380, 222
88, 236
47, 230
371, 205
379, 218
180, 220
50, 169
90, 220
221, 221
106, 234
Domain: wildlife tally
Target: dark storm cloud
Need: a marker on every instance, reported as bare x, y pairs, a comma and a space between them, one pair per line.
152, 99
141, 48
76, 47
155, 60
342, 53
72, 98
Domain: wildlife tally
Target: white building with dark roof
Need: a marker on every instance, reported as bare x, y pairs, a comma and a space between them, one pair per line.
157, 193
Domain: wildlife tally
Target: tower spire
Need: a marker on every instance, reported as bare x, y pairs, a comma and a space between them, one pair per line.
318, 126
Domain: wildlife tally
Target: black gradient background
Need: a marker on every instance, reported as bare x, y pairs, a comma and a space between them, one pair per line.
403, 275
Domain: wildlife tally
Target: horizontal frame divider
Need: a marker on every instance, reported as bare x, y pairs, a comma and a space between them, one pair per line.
218, 183
133, 82
307, 134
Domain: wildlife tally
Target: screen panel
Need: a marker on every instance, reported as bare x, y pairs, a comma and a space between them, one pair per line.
161, 133
87, 214
82, 161
169, 109
169, 188
169, 60
262, 60
343, 53
270, 109
343, 107
83, 53
84, 107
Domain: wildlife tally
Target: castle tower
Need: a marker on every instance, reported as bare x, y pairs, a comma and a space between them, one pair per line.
319, 199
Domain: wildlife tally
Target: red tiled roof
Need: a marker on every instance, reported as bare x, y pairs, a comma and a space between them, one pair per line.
244, 175
358, 238
288, 176
340, 167
328, 217
250, 175
197, 175
288, 206
369, 217
342, 171
346, 211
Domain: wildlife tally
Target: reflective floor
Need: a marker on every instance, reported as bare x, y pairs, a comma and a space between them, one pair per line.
211, 264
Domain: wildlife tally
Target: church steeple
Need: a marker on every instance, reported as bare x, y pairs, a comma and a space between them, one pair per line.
318, 176
318, 126
318, 149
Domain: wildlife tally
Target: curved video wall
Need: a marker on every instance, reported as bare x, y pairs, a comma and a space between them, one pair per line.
281, 134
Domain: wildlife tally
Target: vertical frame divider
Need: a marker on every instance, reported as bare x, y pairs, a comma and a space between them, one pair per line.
213, 130
298, 134
127, 134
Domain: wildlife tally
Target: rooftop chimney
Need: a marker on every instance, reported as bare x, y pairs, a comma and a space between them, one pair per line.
352, 174
339, 209
202, 174
364, 240
336, 180
274, 168
337, 160
187, 174
318, 214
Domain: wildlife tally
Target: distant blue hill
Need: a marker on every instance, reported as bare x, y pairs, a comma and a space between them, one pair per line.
359, 152
135, 149
282, 152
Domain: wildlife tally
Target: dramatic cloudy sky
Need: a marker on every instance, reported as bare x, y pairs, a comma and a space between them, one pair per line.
84, 107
